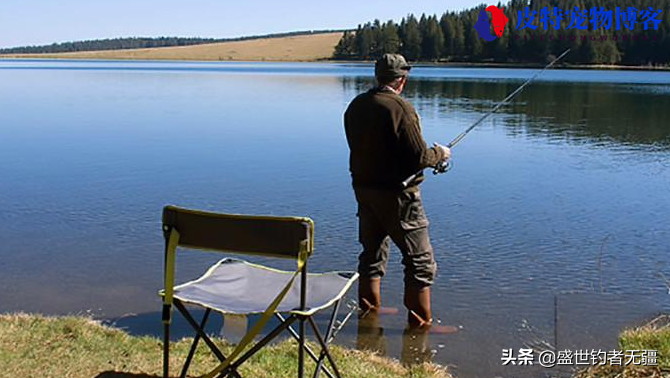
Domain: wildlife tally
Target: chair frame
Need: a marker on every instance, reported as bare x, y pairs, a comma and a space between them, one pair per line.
285, 323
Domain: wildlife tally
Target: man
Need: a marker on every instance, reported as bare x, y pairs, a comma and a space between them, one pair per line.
384, 136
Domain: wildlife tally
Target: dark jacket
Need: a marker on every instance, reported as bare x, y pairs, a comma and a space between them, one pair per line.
384, 135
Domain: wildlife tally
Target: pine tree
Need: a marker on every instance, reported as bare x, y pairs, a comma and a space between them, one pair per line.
473, 43
376, 33
346, 48
459, 37
411, 39
432, 41
609, 53
364, 41
447, 26
389, 41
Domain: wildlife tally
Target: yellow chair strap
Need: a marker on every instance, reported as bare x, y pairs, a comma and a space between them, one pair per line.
265, 317
171, 253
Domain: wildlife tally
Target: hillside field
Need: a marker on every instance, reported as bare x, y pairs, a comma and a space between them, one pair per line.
295, 48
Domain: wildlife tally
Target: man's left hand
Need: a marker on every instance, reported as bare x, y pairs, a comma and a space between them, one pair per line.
446, 151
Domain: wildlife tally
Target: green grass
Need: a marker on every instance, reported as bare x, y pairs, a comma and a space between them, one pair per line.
74, 347
643, 338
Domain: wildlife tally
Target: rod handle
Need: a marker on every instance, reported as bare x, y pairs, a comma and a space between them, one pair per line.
410, 179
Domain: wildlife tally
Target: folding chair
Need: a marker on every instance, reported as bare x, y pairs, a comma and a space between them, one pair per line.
234, 286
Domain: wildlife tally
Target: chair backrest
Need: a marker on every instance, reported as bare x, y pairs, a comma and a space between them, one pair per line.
284, 237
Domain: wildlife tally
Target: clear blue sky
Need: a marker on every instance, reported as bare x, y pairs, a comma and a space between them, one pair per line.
30, 22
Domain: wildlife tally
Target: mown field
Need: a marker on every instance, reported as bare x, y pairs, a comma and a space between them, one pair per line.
296, 48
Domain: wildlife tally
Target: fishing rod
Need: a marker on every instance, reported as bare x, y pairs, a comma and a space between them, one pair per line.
446, 165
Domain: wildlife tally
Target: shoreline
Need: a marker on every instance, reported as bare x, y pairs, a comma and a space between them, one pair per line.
80, 347
424, 64
562, 66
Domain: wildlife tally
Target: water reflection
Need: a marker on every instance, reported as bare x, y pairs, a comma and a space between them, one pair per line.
561, 112
416, 346
370, 334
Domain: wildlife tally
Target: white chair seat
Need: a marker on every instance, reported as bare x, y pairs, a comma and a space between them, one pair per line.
233, 286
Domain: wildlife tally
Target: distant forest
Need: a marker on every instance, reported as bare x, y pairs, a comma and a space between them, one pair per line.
452, 36
141, 42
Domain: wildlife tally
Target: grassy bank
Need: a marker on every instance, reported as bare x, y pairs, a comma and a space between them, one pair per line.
73, 347
650, 337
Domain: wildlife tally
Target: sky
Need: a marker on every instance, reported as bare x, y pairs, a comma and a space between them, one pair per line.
37, 22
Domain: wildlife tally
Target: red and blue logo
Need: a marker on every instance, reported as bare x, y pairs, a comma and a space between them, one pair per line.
483, 27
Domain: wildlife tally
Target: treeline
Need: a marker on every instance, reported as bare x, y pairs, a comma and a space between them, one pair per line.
141, 42
452, 37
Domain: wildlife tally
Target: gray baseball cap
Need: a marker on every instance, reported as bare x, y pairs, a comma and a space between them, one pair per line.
392, 65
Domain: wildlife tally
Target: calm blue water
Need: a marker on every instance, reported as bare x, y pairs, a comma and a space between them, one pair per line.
563, 194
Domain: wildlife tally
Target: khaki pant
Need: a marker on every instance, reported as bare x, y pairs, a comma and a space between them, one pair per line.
386, 215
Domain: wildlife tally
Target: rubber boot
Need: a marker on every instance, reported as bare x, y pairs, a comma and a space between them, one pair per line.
419, 314
370, 297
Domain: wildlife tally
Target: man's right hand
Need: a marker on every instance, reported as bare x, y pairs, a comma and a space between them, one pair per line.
446, 151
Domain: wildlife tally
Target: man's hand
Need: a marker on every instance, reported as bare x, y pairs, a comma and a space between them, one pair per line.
446, 151
444, 164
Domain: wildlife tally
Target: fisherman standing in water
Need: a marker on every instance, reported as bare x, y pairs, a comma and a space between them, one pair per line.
384, 136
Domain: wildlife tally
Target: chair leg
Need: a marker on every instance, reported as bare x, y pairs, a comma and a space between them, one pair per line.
166, 351
329, 332
324, 347
201, 332
301, 350
309, 350
194, 345
260, 344
342, 323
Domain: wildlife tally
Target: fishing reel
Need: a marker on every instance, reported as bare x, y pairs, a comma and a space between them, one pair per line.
443, 167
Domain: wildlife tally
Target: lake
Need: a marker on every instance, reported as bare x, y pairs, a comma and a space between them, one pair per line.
551, 229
